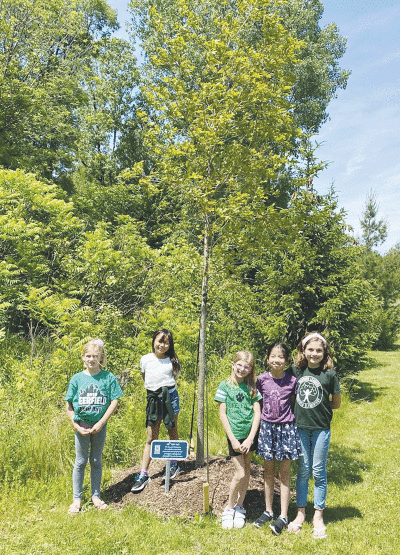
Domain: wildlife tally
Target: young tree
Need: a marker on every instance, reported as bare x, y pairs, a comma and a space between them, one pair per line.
222, 126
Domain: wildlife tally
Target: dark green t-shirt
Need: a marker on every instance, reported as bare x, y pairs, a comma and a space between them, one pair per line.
314, 387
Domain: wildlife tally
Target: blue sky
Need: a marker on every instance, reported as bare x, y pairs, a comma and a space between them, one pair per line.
361, 138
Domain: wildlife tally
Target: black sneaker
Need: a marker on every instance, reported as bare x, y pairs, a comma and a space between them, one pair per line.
173, 471
279, 525
141, 482
263, 519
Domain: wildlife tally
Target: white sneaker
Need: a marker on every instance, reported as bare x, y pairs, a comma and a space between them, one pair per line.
240, 517
227, 519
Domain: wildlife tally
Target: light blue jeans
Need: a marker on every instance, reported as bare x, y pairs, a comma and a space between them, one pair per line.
315, 446
82, 444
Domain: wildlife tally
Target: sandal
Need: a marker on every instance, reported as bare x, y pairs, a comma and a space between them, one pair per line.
294, 528
99, 504
319, 533
74, 509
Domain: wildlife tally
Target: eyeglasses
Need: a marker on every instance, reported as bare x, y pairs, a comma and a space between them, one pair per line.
242, 367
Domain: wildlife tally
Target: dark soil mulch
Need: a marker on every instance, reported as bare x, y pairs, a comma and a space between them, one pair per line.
185, 497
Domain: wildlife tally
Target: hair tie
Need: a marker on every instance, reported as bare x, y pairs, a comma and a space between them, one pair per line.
312, 336
98, 342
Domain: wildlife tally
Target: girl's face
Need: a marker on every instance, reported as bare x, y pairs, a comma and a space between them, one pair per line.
277, 360
161, 345
314, 353
240, 370
91, 359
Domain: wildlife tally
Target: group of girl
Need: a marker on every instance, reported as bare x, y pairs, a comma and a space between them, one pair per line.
283, 415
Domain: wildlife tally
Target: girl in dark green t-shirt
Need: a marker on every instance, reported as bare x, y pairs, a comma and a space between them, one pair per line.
318, 393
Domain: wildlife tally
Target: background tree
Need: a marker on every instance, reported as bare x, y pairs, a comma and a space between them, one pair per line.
383, 272
43, 48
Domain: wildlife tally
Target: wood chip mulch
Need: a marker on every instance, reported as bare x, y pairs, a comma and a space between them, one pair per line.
185, 497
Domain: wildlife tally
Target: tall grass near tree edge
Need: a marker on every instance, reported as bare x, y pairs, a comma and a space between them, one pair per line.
361, 513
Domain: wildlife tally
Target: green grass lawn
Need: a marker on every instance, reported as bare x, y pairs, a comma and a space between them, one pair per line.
362, 508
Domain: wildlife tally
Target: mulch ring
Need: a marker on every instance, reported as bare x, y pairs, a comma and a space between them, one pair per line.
185, 497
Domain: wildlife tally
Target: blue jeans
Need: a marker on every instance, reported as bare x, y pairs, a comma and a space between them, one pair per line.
82, 443
315, 446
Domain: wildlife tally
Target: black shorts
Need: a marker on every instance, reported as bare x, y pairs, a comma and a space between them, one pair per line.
233, 453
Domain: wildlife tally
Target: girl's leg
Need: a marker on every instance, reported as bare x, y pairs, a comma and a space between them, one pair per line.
269, 480
244, 484
96, 468
320, 442
284, 477
238, 478
78, 473
152, 434
303, 476
173, 432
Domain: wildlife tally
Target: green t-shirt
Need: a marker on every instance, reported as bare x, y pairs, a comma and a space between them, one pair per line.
314, 387
239, 407
91, 396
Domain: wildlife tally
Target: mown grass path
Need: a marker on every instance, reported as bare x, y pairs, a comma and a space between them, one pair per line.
362, 512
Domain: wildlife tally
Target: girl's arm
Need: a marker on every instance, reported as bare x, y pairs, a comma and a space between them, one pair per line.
336, 401
77, 428
227, 427
95, 429
256, 423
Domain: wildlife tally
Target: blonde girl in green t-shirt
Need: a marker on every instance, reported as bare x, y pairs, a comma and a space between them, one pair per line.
239, 412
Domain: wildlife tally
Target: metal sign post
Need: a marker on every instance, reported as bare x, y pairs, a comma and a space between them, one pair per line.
169, 450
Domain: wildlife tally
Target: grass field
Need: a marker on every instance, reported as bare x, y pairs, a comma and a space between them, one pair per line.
363, 498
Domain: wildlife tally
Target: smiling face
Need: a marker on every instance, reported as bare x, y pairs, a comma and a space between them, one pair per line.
277, 360
91, 359
161, 345
314, 353
240, 370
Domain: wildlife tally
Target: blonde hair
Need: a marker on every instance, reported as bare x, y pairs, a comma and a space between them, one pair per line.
300, 359
98, 345
250, 379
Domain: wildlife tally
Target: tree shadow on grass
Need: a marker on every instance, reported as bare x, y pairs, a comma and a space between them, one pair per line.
364, 392
337, 514
345, 465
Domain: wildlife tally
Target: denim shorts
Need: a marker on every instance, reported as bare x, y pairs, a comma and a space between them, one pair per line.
174, 397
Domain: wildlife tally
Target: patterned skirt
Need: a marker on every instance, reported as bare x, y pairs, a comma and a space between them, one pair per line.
278, 441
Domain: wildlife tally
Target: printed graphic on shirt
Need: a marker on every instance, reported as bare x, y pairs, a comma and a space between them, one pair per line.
239, 397
274, 403
309, 392
92, 399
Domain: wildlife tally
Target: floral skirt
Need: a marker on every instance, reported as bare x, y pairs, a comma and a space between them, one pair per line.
278, 441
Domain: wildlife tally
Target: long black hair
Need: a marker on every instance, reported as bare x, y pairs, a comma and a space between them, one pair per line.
166, 334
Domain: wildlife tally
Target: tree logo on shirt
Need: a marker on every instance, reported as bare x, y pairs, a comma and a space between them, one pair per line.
309, 392
239, 397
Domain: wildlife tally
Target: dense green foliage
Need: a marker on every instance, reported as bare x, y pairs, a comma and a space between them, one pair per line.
114, 176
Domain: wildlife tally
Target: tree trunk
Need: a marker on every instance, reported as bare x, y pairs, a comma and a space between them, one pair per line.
202, 348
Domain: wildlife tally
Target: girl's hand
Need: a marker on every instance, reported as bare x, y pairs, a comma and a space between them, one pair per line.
96, 428
246, 445
236, 446
82, 431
